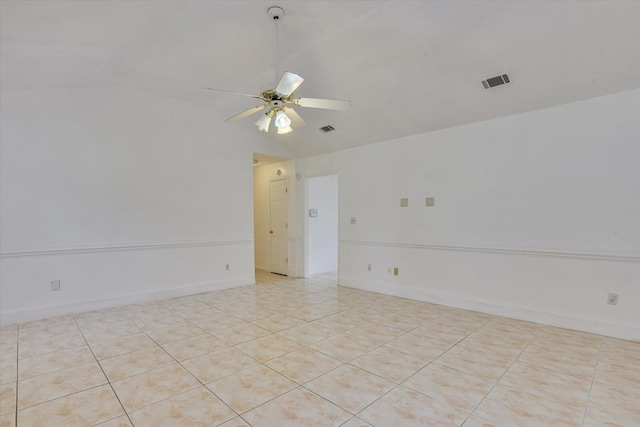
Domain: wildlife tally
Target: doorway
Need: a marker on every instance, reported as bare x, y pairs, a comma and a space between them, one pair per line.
268, 169
321, 225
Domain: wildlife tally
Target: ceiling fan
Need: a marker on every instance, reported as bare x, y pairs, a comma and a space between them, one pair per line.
279, 102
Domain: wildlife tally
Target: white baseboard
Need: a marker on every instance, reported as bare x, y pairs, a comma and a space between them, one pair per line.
591, 325
42, 312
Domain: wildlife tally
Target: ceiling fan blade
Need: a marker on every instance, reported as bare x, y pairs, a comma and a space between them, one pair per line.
296, 120
328, 104
232, 93
247, 113
288, 83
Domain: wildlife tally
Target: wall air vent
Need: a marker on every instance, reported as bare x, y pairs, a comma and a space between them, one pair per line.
327, 128
495, 81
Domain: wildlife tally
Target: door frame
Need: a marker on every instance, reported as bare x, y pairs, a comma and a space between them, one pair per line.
286, 215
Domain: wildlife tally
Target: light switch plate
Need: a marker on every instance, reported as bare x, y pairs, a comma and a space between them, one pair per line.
430, 201
404, 202
353, 220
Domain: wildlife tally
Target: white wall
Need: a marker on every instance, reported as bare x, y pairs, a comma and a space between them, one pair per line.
262, 177
537, 215
121, 195
322, 231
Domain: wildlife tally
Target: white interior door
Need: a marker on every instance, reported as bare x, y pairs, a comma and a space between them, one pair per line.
278, 235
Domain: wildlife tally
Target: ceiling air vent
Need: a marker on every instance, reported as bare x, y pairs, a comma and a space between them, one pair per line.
327, 128
495, 81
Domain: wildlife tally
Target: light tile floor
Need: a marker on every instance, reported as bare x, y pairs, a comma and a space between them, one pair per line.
306, 352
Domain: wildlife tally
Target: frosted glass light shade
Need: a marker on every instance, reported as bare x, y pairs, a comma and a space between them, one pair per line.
263, 123
283, 122
285, 130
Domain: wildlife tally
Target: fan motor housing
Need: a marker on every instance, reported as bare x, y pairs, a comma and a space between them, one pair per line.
272, 95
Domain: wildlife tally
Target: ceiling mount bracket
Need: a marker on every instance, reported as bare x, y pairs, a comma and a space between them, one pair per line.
275, 12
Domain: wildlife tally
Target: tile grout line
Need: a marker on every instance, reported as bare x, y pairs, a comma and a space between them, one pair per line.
17, 369
262, 363
103, 373
367, 352
429, 363
170, 355
546, 398
383, 306
324, 398
530, 364
515, 359
593, 378
503, 374
238, 414
47, 373
178, 362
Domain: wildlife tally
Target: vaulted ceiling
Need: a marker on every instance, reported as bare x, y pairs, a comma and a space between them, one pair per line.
408, 67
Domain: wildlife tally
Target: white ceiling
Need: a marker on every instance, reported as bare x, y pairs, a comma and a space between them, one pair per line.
407, 66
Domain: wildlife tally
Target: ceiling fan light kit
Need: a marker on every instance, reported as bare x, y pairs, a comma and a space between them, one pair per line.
285, 117
283, 123
263, 122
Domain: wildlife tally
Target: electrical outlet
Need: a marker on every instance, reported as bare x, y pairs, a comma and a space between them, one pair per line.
430, 202
369, 267
226, 267
353, 220
404, 202
396, 270
612, 299
55, 285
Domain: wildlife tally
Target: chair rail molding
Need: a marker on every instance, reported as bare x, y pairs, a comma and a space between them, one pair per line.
121, 247
554, 253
